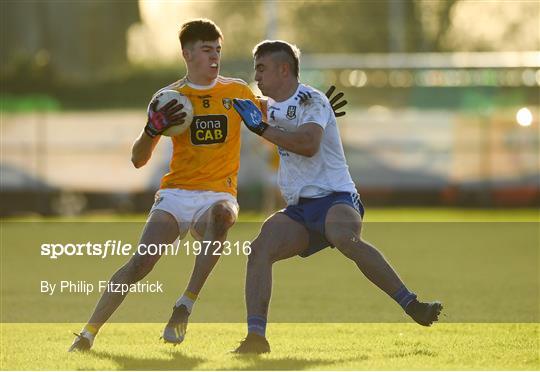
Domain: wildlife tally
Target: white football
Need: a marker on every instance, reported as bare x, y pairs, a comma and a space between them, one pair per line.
165, 97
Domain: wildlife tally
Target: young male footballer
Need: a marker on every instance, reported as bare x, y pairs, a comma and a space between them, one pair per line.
199, 192
323, 206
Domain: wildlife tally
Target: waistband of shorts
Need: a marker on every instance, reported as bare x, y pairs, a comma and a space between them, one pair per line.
335, 193
194, 191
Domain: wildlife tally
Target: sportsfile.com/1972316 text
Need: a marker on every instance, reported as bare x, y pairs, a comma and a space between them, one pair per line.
119, 248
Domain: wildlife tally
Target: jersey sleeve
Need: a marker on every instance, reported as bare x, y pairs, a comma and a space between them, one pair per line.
173, 86
315, 110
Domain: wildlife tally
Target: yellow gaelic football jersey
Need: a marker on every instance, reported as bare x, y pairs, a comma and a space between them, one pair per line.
207, 155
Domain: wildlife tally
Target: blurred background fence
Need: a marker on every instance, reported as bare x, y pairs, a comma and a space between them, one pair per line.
443, 97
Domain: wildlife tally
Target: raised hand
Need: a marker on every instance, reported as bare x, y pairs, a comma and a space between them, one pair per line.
335, 101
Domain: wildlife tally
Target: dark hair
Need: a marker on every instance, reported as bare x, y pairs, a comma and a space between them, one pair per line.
199, 29
290, 52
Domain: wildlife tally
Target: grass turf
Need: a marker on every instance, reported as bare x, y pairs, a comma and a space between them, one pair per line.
466, 265
294, 347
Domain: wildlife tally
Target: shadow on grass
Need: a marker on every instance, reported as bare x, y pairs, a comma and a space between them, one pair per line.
261, 363
177, 361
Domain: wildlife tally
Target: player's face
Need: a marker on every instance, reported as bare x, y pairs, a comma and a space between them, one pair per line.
202, 59
268, 74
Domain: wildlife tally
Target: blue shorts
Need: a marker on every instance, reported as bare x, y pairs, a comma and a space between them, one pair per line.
311, 213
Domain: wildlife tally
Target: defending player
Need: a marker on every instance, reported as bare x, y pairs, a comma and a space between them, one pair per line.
199, 192
323, 206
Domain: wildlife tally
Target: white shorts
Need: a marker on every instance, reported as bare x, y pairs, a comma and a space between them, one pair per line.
187, 206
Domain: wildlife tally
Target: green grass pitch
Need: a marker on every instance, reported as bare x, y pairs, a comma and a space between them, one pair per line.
324, 314
295, 347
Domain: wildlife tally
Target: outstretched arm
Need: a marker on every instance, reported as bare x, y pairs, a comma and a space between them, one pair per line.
304, 141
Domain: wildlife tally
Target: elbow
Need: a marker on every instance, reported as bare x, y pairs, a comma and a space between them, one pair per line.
310, 145
138, 163
311, 151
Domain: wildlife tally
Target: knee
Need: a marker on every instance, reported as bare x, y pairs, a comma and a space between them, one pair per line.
348, 243
260, 253
222, 216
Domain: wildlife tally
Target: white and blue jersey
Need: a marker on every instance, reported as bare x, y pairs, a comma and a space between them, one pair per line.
312, 185
325, 172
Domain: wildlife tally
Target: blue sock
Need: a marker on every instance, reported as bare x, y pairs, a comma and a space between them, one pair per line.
403, 297
257, 324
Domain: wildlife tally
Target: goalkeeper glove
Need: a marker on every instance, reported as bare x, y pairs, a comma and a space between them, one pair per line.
160, 120
334, 101
251, 115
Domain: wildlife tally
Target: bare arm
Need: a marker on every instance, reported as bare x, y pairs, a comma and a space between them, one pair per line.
305, 141
142, 149
159, 120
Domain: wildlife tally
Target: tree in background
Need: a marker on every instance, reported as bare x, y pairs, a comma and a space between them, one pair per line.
78, 40
375, 26
243, 25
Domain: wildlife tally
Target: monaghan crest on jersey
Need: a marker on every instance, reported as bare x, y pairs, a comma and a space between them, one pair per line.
291, 112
